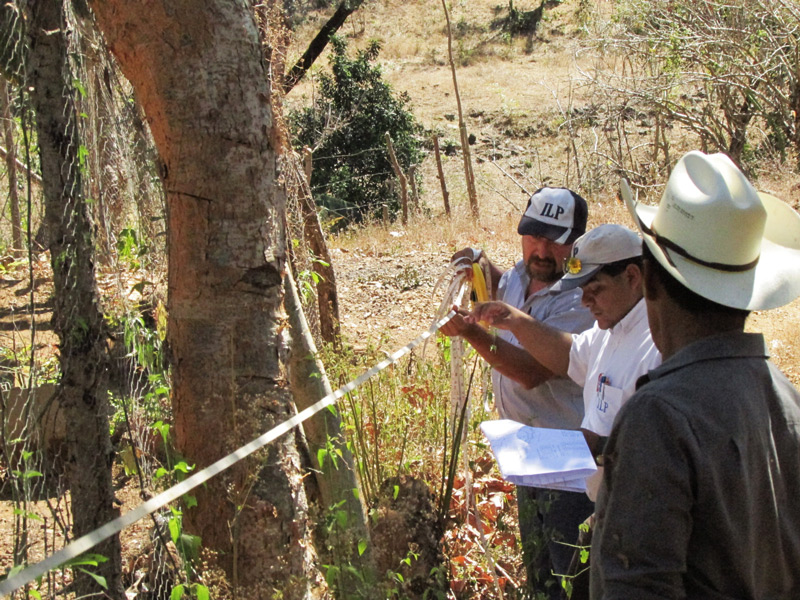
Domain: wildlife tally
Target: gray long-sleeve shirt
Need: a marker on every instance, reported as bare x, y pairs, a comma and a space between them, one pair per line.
701, 491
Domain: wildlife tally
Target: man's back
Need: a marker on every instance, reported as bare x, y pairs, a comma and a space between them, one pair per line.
715, 436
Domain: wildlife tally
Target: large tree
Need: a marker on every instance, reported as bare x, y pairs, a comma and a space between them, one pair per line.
198, 71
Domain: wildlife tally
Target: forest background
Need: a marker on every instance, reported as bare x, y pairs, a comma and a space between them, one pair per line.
126, 367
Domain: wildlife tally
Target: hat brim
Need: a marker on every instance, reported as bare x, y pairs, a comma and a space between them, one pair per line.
773, 282
570, 282
554, 233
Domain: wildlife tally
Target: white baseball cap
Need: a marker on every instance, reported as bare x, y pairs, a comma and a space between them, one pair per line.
719, 237
595, 249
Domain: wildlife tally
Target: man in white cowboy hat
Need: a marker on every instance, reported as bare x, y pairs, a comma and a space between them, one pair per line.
523, 391
700, 495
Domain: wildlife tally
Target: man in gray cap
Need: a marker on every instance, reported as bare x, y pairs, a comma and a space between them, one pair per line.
607, 359
700, 493
525, 392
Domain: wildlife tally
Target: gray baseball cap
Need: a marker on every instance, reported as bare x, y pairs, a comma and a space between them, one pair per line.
595, 249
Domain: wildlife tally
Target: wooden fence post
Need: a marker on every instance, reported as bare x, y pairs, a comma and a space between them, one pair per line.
412, 180
462, 125
400, 175
445, 193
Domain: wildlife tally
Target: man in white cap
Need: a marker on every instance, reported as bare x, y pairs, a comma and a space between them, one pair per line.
523, 390
700, 495
607, 359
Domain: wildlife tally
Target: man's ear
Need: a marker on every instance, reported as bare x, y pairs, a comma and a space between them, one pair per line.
633, 274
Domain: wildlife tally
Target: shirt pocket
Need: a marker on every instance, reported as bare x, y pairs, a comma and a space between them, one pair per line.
608, 401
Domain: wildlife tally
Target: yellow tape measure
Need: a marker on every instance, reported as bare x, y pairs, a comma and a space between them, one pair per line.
479, 283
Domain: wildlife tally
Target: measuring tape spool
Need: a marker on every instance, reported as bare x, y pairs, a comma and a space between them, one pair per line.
479, 284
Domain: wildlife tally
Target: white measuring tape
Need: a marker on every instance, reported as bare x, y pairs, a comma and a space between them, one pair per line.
93, 538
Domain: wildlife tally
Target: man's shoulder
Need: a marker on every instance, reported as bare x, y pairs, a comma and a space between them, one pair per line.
510, 284
711, 385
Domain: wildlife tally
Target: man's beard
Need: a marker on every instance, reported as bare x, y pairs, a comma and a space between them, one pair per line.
546, 271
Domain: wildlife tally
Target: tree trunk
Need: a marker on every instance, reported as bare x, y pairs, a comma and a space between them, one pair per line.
327, 296
333, 462
401, 177
11, 165
442, 182
469, 175
76, 316
199, 73
317, 45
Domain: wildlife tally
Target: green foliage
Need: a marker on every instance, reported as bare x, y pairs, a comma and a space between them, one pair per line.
309, 279
130, 249
194, 590
346, 126
144, 348
90, 560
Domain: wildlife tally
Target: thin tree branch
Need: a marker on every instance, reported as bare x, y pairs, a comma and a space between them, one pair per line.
317, 45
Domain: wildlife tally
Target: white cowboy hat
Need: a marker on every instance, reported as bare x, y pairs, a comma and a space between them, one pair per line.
719, 237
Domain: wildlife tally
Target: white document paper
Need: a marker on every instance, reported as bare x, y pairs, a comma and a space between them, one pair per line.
557, 459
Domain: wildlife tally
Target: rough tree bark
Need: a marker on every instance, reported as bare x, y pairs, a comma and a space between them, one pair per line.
11, 166
198, 71
76, 316
327, 296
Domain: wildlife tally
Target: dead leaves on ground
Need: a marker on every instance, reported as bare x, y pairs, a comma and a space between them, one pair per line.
483, 543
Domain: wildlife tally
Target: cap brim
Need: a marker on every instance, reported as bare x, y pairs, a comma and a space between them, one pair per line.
554, 233
570, 282
773, 282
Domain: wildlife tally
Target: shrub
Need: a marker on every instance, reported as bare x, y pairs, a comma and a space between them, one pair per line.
346, 126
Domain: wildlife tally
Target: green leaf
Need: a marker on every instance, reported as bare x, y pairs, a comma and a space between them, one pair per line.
91, 560
27, 514
99, 579
362, 547
79, 86
190, 545
175, 530
331, 573
177, 592
182, 467
202, 592
321, 454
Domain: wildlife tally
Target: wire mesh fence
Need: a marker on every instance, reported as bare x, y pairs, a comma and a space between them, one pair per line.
82, 317
83, 218
84, 380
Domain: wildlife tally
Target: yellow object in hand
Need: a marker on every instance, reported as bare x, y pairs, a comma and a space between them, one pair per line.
479, 287
479, 283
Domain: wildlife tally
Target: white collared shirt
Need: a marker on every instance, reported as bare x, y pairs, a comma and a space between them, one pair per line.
607, 363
